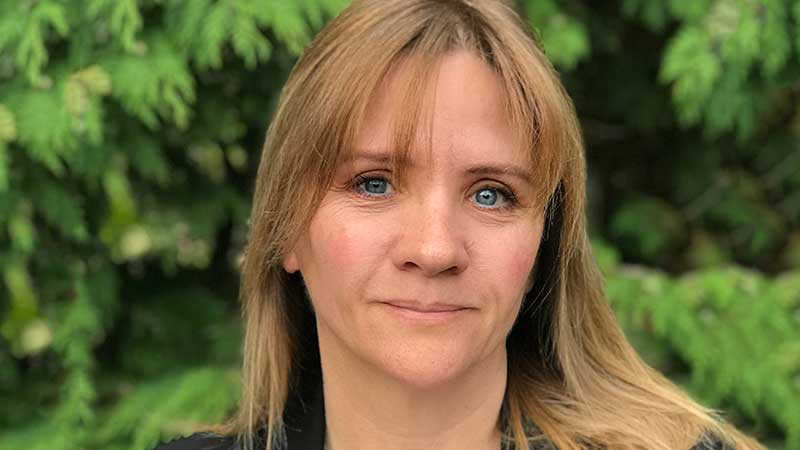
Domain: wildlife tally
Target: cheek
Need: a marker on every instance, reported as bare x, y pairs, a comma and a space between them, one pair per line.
517, 261
343, 250
519, 267
338, 246
327, 264
522, 262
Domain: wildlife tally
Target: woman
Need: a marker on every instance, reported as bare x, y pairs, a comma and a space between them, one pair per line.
418, 274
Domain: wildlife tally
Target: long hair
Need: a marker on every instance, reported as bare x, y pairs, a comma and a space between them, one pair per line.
573, 378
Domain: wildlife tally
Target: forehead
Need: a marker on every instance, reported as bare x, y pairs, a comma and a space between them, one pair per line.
456, 107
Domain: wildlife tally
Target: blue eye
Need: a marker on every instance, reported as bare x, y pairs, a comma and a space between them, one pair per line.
491, 196
486, 197
371, 186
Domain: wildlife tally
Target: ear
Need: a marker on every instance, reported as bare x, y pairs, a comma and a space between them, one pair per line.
290, 263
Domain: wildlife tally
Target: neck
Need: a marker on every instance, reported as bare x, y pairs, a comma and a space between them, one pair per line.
366, 409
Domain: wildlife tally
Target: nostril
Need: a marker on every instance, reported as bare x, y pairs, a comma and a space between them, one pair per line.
433, 241
436, 261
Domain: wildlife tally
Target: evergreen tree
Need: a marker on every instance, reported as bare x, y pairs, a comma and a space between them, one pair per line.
129, 136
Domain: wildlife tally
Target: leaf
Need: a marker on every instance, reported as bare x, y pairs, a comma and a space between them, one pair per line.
10, 26
36, 435
156, 84
215, 30
693, 69
32, 53
122, 207
24, 306
689, 10
184, 19
565, 39
46, 144
288, 24
21, 229
775, 37
53, 14
61, 208
123, 18
176, 403
653, 13
249, 43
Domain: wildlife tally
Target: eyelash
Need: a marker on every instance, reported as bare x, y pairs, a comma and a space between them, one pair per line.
511, 198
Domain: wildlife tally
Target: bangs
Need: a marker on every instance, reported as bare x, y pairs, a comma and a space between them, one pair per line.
533, 115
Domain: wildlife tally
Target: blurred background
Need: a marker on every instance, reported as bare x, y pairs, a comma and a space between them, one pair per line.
130, 132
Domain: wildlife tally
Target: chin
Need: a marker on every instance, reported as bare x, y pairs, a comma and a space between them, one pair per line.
424, 370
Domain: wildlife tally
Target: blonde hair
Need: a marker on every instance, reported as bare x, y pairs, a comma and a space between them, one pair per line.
573, 379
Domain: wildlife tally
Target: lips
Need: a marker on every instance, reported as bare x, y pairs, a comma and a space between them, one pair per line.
427, 307
418, 314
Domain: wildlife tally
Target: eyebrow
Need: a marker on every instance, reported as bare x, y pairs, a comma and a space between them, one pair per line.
515, 171
483, 170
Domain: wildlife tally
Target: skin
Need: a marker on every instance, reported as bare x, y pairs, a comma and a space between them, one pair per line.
443, 234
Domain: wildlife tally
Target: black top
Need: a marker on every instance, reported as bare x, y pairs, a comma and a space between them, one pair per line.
305, 429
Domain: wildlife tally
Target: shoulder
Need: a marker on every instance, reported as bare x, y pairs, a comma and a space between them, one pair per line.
200, 441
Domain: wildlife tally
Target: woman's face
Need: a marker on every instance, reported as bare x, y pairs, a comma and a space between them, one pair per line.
421, 279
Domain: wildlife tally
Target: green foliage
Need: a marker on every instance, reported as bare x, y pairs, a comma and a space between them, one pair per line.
114, 173
657, 217
195, 396
722, 60
702, 121
565, 39
129, 136
738, 333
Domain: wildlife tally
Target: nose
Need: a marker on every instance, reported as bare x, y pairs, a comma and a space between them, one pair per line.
432, 241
